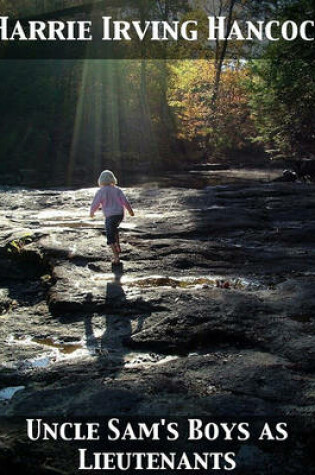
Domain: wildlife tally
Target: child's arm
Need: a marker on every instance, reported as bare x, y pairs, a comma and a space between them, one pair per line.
126, 203
95, 204
131, 211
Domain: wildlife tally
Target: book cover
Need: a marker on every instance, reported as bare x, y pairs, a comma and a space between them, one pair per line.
157, 232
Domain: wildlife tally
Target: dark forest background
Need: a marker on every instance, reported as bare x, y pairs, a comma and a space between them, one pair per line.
62, 121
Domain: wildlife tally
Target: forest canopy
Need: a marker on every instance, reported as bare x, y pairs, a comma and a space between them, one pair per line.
64, 120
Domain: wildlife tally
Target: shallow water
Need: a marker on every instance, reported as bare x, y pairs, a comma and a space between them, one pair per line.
75, 351
7, 393
62, 347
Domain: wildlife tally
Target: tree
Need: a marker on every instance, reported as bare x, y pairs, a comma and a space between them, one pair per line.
190, 96
283, 93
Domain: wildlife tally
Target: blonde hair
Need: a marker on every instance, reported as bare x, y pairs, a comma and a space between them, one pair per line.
107, 178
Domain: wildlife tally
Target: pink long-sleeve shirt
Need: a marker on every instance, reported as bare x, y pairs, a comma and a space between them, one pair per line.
112, 200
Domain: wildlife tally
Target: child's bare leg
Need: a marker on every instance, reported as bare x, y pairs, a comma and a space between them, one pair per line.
116, 253
118, 243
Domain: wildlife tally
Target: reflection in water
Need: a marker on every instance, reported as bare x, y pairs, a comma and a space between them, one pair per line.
105, 334
117, 328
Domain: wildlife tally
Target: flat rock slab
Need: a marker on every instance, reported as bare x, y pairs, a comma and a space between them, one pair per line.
212, 314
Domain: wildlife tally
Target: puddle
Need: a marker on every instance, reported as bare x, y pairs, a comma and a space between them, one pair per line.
7, 394
64, 348
60, 351
75, 350
45, 360
39, 362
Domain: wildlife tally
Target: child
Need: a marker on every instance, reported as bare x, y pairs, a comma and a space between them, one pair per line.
113, 202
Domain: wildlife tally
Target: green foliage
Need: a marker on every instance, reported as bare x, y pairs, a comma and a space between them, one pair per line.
282, 93
16, 246
217, 132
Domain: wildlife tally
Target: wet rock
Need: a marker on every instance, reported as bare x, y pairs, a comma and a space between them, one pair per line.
217, 284
288, 176
75, 400
5, 301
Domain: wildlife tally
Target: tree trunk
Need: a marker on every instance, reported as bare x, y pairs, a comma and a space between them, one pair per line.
221, 57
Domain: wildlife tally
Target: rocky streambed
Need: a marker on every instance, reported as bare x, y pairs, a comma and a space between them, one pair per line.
211, 315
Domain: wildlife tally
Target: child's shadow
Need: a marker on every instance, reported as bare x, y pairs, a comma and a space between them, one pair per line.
109, 343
